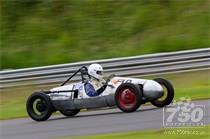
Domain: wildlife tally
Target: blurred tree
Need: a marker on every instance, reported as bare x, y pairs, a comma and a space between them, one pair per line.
43, 32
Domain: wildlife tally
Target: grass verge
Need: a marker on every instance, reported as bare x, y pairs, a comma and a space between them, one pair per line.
195, 85
174, 133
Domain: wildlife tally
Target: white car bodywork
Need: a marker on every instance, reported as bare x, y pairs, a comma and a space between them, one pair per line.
151, 89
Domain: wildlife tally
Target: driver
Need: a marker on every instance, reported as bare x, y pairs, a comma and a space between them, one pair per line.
96, 85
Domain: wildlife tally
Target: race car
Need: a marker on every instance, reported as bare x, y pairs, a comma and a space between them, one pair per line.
125, 93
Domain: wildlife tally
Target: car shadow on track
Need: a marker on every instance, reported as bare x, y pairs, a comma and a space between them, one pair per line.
101, 114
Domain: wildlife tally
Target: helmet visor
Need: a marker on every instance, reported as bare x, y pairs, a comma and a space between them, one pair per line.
99, 72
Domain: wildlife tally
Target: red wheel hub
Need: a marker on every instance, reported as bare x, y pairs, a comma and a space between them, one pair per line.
127, 98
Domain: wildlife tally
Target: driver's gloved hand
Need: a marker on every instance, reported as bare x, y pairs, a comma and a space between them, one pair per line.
101, 90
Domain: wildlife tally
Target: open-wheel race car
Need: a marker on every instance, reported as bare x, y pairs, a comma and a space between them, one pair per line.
125, 93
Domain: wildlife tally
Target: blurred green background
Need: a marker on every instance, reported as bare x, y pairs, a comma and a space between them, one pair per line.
45, 32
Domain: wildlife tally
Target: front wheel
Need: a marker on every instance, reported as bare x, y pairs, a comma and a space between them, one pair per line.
128, 97
39, 106
168, 93
69, 113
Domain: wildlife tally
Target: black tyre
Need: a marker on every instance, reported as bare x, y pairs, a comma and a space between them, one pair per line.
168, 93
69, 113
128, 97
39, 106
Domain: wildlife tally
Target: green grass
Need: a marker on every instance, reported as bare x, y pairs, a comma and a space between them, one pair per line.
153, 134
195, 85
46, 32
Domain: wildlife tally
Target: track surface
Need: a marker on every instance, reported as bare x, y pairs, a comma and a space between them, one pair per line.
92, 122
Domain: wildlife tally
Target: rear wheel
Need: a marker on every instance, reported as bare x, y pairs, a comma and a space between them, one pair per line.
69, 113
168, 93
39, 106
128, 97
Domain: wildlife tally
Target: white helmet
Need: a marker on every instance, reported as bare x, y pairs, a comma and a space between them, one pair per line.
96, 71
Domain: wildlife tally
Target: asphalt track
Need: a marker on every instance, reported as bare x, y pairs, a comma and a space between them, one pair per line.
91, 122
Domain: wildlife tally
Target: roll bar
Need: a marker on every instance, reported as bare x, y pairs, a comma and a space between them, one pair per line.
83, 70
